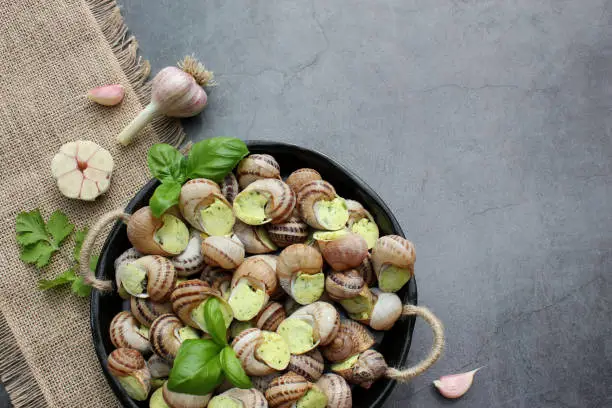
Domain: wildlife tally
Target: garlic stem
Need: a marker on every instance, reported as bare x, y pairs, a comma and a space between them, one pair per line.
136, 125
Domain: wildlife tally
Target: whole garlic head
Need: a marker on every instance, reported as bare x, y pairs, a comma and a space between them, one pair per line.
82, 170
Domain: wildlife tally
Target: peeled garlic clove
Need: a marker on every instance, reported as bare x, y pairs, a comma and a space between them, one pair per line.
342, 250
257, 167
386, 311
130, 369
352, 338
107, 95
125, 332
158, 367
298, 178
82, 170
180, 400
326, 317
245, 345
229, 187
205, 208
270, 316
299, 273
289, 232
337, 390
320, 207
223, 251
254, 238
146, 311
393, 259
153, 271
343, 285
166, 335
362, 369
366, 270
239, 398
264, 201
361, 222
165, 236
455, 385
287, 389
309, 365
190, 261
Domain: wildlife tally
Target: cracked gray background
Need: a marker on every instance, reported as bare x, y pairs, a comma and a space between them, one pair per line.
485, 125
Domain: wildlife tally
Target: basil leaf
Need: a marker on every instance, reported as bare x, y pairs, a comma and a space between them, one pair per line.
196, 369
166, 163
165, 196
233, 369
215, 323
214, 158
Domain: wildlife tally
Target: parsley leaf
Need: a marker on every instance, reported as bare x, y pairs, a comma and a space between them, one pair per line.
30, 228
64, 278
59, 227
79, 237
38, 253
80, 288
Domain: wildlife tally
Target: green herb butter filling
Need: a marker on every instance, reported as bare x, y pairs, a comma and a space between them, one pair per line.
274, 351
217, 219
333, 214
238, 327
133, 278
221, 401
329, 235
157, 399
307, 289
262, 234
246, 301
392, 278
157, 383
134, 387
197, 315
346, 364
298, 334
143, 331
250, 207
314, 398
368, 231
173, 236
357, 304
186, 333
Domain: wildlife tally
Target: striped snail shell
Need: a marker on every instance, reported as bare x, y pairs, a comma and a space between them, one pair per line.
258, 269
190, 261
337, 390
366, 270
345, 252
124, 363
368, 368
302, 176
352, 338
146, 311
245, 345
257, 167
229, 187
261, 383
166, 335
326, 318
344, 285
277, 206
309, 365
225, 252
145, 233
125, 333
270, 316
187, 296
180, 400
296, 260
393, 251
129, 255
196, 196
286, 390
309, 199
250, 398
291, 231
155, 271
254, 238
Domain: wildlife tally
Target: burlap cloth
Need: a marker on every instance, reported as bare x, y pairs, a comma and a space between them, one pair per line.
51, 53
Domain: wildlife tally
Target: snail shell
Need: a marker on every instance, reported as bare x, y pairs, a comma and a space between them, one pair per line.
352, 338
297, 258
254, 238
309, 365
191, 260
262, 383
344, 285
337, 390
250, 398
357, 212
158, 367
302, 176
146, 311
326, 317
286, 390
257, 269
141, 231
127, 256
164, 336
160, 277
211, 274
125, 362
270, 316
366, 270
291, 231
307, 198
187, 296
386, 311
281, 199
223, 251
180, 400
196, 195
369, 367
229, 187
346, 252
256, 167
244, 346
124, 333
393, 250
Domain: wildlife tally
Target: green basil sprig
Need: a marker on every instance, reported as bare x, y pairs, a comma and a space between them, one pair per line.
196, 369
232, 368
211, 158
215, 323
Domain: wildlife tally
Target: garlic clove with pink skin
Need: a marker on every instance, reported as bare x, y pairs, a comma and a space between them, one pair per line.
175, 92
455, 385
107, 95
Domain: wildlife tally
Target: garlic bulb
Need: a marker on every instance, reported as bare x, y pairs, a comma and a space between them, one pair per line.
82, 170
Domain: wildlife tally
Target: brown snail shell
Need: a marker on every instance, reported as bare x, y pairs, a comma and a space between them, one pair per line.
160, 277
370, 366
393, 250
261, 383
337, 390
291, 231
158, 367
211, 274
257, 167
244, 346
281, 199
187, 296
343, 285
125, 362
352, 338
164, 337
270, 316
297, 258
129, 255
198, 194
386, 311
254, 238
223, 251
229, 187
286, 390
366, 270
309, 365
180, 400
257, 269
309, 195
190, 261
345, 252
357, 212
141, 230
326, 317
250, 398
146, 311
125, 333
298, 178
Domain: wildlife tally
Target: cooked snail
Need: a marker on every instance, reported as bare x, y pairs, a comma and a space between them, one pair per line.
352, 338
361, 222
302, 176
264, 201
261, 352
360, 306
291, 231
310, 326
262, 383
257, 167
299, 273
362, 369
270, 316
366, 270
252, 284
255, 238
129, 255
337, 390
225, 252
342, 250
320, 207
146, 311
125, 332
229, 187
151, 276
205, 208
393, 260
163, 398
293, 390
188, 301
343, 285
238, 398
190, 261
165, 236
309, 365
166, 335
130, 369
386, 309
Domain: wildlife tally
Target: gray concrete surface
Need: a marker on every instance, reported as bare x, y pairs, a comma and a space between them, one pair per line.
486, 127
